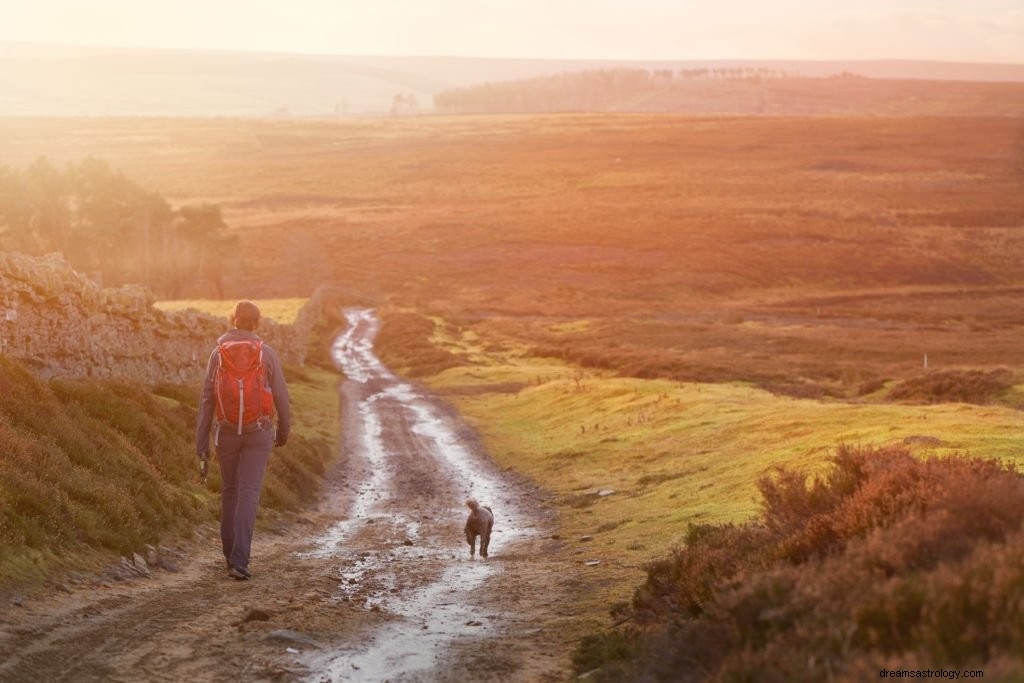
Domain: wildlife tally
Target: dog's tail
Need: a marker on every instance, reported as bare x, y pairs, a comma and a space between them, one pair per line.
472, 504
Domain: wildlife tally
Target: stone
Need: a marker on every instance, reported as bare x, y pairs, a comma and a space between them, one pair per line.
140, 566
64, 325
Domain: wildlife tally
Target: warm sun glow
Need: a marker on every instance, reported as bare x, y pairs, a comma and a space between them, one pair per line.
952, 30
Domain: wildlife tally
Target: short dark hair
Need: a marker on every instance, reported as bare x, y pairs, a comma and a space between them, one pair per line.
246, 315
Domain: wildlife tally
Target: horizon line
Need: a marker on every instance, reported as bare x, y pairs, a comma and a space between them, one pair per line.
290, 53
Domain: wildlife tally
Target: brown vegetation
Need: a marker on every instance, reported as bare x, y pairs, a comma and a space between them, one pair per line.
838, 250
885, 561
404, 343
815, 256
732, 90
111, 466
962, 386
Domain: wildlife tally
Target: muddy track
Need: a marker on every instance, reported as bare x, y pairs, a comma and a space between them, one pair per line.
375, 584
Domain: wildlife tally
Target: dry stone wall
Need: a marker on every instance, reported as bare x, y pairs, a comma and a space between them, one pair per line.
62, 324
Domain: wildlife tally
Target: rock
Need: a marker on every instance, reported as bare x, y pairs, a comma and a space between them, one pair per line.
139, 565
603, 493
167, 564
592, 563
407, 541
586, 538
117, 573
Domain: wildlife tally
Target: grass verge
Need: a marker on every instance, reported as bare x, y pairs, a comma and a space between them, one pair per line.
281, 311
94, 469
635, 463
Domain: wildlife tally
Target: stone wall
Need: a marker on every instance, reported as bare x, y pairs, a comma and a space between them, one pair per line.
59, 323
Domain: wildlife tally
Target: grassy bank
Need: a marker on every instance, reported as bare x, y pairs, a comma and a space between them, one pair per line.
94, 469
635, 463
281, 311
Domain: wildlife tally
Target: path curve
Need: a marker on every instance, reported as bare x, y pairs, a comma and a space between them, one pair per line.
418, 466
373, 584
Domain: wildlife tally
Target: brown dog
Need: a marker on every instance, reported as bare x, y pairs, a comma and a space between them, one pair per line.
479, 523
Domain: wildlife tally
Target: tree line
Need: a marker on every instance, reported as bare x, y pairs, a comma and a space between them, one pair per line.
112, 229
595, 90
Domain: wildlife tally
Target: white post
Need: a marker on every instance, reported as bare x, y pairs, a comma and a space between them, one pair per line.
926, 361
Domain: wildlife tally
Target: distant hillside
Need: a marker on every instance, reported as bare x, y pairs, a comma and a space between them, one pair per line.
38, 80
735, 91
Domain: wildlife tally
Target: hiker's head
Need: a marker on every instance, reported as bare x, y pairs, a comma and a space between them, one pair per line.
246, 316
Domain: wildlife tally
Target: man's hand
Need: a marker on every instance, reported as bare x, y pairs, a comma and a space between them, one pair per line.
280, 439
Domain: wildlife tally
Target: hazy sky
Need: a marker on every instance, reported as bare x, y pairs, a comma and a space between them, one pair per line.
961, 30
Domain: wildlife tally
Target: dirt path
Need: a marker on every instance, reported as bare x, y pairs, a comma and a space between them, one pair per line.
374, 585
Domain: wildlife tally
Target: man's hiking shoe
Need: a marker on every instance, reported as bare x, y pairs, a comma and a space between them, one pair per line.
239, 574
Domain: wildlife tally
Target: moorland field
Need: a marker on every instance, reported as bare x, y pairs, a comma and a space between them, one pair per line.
645, 314
836, 250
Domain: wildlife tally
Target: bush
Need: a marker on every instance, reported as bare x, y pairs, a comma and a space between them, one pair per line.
90, 464
111, 466
883, 559
980, 387
404, 341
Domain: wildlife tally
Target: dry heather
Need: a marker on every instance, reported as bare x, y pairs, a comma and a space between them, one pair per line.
887, 561
839, 250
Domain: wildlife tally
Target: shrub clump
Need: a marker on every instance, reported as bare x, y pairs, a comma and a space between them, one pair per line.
885, 561
404, 341
980, 387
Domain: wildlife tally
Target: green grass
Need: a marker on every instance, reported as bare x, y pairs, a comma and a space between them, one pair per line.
314, 402
281, 311
92, 469
676, 454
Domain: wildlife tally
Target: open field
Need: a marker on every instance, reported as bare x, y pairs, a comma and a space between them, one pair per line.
760, 244
633, 463
282, 311
657, 308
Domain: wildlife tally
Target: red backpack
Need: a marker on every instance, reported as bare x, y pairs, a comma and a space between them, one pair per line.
240, 383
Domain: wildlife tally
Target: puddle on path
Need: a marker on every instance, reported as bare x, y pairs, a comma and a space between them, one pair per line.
432, 615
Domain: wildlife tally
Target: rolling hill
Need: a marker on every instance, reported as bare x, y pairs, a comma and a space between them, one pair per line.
45, 80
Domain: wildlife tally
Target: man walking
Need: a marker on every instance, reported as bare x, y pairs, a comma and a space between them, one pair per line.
244, 386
